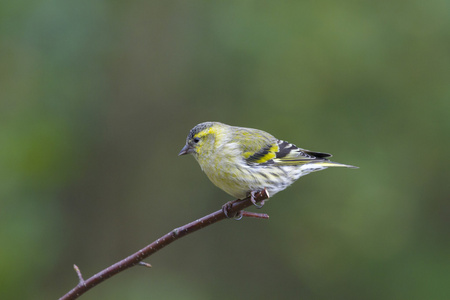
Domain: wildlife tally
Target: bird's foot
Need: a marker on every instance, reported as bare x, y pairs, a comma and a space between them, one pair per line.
253, 198
226, 211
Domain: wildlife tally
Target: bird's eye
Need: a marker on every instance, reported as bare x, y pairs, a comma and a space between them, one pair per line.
196, 140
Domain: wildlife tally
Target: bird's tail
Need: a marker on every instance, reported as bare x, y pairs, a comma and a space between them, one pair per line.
329, 163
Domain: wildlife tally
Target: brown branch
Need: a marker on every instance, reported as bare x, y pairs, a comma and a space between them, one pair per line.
233, 208
254, 215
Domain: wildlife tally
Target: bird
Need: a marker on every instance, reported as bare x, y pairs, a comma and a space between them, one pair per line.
243, 161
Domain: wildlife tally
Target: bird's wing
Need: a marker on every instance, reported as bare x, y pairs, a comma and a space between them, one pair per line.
279, 152
260, 147
256, 146
289, 154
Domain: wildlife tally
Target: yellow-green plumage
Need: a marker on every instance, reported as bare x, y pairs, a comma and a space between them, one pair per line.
241, 160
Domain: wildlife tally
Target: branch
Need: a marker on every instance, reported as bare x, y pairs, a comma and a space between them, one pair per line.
233, 208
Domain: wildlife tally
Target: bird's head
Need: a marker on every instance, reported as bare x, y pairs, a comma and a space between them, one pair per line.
202, 138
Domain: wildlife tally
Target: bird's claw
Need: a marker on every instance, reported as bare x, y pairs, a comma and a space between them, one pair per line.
238, 216
253, 199
226, 211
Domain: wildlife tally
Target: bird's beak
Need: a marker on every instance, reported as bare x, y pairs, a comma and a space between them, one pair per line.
186, 150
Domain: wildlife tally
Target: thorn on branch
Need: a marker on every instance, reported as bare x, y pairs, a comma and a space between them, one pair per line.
144, 264
80, 277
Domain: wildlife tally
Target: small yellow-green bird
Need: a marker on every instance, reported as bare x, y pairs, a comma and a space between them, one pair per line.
242, 161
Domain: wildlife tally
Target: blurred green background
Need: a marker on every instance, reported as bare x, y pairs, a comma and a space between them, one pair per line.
96, 100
